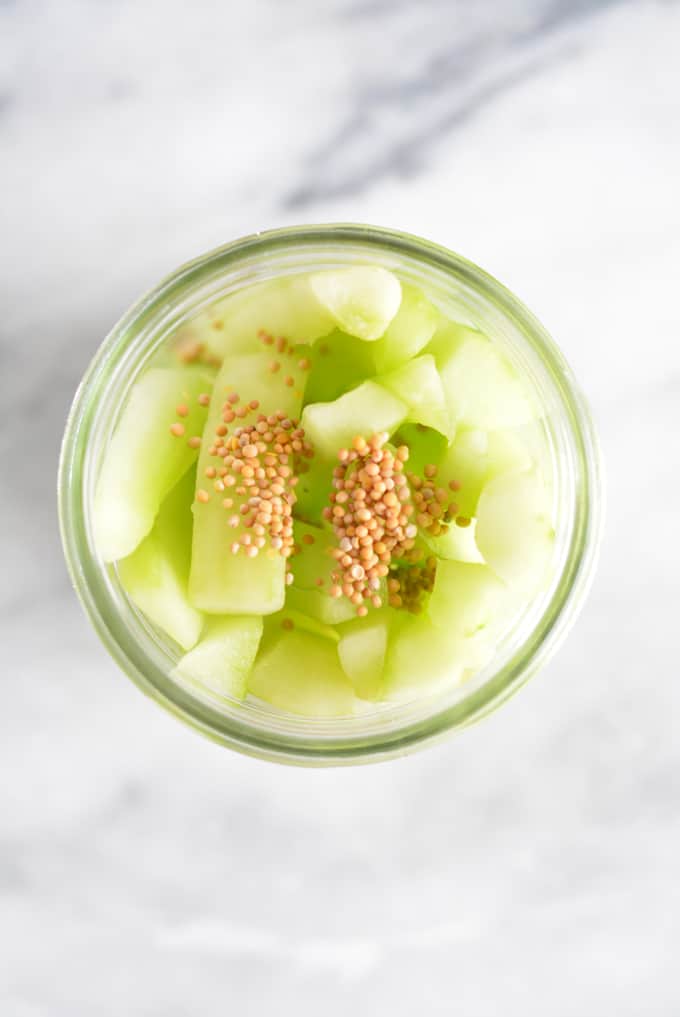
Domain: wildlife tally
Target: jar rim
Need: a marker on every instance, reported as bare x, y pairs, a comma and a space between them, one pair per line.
307, 748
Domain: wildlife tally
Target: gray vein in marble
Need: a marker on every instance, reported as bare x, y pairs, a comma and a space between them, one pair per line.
449, 82
557, 13
406, 156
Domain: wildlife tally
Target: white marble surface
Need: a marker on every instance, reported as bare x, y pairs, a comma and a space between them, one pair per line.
529, 867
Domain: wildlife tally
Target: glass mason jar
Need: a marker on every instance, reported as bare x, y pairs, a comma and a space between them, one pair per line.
466, 294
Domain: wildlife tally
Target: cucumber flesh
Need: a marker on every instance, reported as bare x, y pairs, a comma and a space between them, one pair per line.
409, 331
482, 388
466, 464
156, 574
340, 362
250, 376
448, 336
312, 559
457, 544
515, 532
144, 459
224, 657
362, 649
418, 384
300, 673
466, 599
475, 458
290, 618
282, 307
321, 607
314, 488
313, 562
424, 444
421, 660
365, 410
221, 582
362, 299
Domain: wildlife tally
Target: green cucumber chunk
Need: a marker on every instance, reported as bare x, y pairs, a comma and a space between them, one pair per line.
515, 531
466, 599
314, 487
365, 410
311, 563
418, 384
290, 618
222, 582
156, 574
362, 649
421, 660
321, 607
340, 362
312, 559
448, 336
475, 458
300, 673
144, 460
482, 388
224, 657
425, 446
457, 544
283, 307
362, 299
409, 331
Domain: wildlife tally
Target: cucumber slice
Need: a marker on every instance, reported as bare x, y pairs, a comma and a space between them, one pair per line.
474, 458
515, 532
448, 336
314, 488
425, 446
365, 410
300, 673
311, 563
224, 657
507, 453
409, 331
313, 560
534, 440
339, 362
362, 649
466, 599
250, 375
290, 618
362, 299
282, 307
457, 544
421, 660
321, 607
418, 385
482, 388
144, 459
466, 463
220, 582
156, 574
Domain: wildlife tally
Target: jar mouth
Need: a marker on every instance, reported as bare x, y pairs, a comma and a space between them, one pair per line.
392, 730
